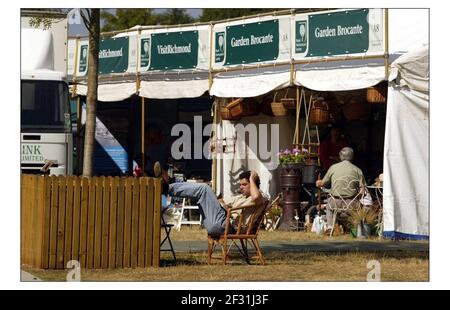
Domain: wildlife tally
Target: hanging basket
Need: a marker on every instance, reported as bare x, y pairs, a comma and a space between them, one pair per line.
243, 107
376, 94
278, 108
320, 113
355, 110
289, 103
225, 113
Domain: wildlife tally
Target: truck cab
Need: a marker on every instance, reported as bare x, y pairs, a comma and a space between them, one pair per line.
46, 133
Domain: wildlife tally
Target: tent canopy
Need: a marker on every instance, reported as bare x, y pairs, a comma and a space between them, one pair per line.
406, 149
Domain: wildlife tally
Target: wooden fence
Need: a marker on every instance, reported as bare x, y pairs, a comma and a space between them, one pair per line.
102, 222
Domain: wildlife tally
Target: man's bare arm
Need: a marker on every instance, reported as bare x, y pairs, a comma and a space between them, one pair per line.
254, 190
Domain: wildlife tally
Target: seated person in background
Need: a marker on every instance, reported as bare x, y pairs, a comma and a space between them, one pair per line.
137, 169
329, 149
214, 215
347, 181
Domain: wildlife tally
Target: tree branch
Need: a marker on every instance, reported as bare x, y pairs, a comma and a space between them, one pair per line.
86, 20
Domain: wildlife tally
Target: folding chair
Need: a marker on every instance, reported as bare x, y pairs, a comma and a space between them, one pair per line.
167, 228
341, 204
188, 221
244, 232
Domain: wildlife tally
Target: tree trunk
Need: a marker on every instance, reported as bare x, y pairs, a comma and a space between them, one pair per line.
91, 97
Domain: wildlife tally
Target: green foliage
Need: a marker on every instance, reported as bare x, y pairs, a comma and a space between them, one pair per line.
127, 18
36, 22
219, 14
44, 17
174, 17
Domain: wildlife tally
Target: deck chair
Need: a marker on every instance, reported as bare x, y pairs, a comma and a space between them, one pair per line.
167, 228
245, 233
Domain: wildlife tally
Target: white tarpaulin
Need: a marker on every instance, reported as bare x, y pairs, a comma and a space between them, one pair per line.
248, 86
240, 154
340, 76
173, 89
111, 92
406, 150
414, 68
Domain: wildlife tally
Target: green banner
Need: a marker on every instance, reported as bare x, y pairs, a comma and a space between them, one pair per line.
83, 58
254, 42
145, 52
113, 55
339, 33
174, 50
220, 47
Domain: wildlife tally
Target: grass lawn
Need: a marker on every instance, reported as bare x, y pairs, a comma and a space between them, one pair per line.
281, 266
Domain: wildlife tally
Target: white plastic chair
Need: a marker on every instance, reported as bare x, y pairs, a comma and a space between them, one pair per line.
188, 220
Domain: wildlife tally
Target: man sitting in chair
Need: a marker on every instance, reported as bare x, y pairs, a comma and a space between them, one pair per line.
347, 181
214, 215
250, 196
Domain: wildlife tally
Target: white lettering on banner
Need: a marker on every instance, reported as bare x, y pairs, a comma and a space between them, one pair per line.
322, 33
262, 40
341, 31
173, 49
252, 40
110, 54
239, 42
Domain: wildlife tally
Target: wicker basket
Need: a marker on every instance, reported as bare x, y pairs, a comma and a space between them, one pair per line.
320, 113
289, 103
355, 110
243, 107
278, 108
376, 94
225, 113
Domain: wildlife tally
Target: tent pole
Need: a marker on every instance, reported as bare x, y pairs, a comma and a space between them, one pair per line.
298, 115
214, 152
143, 133
78, 134
210, 56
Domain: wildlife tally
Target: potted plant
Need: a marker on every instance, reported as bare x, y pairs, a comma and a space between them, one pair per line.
360, 219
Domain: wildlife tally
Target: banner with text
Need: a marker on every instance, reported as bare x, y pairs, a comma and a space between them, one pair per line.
261, 41
336, 33
174, 50
113, 55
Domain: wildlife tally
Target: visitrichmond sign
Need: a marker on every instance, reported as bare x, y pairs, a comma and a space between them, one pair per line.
255, 40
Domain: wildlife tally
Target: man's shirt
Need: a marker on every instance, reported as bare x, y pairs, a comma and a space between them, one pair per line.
346, 179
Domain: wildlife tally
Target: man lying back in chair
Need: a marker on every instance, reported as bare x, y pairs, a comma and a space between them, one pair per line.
347, 181
250, 196
214, 215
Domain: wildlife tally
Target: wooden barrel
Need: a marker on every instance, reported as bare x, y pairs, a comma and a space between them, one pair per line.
290, 183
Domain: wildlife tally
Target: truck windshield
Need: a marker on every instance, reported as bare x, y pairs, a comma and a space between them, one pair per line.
45, 106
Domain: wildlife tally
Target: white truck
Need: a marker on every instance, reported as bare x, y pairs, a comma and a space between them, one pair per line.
46, 133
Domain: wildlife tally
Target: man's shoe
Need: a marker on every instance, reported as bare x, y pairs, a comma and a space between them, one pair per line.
157, 169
